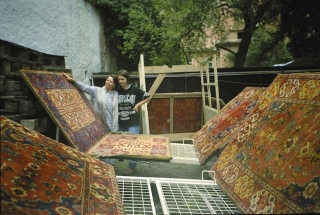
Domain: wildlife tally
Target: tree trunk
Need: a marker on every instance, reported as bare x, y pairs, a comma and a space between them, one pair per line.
252, 14
240, 56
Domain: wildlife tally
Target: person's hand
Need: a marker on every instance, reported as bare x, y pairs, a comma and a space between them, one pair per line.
136, 109
69, 77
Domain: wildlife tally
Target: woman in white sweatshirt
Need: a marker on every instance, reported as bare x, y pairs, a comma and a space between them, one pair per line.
106, 99
106, 103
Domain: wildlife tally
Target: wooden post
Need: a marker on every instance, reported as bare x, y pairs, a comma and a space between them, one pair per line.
144, 107
214, 63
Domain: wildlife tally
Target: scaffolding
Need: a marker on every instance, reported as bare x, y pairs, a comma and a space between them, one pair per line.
161, 71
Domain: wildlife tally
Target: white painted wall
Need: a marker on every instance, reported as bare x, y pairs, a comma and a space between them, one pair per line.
70, 28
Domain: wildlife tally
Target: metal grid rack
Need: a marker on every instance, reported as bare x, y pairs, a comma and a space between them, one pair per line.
176, 196
136, 195
184, 152
194, 197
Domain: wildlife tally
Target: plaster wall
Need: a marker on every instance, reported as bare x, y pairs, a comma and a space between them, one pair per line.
69, 28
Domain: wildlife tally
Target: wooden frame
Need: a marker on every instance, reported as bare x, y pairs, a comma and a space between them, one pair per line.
172, 96
161, 71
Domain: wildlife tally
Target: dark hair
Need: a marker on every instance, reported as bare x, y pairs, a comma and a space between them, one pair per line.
115, 81
125, 74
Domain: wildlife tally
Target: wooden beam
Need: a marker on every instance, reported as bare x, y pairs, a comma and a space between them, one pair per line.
156, 84
144, 108
174, 69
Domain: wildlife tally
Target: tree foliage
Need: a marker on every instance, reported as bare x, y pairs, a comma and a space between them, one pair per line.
169, 32
300, 23
264, 50
135, 27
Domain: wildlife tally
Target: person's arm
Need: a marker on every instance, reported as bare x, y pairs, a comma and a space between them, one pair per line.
146, 99
91, 90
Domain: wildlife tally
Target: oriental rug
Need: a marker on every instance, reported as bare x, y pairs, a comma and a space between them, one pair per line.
187, 113
159, 124
273, 165
68, 107
128, 145
42, 176
82, 126
223, 127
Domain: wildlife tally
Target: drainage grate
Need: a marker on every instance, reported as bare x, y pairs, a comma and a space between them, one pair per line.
194, 197
136, 195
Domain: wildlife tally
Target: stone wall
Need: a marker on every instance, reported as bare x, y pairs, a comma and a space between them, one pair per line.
71, 28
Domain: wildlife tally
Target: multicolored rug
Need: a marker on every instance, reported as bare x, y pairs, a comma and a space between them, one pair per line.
136, 146
42, 176
82, 126
186, 115
68, 107
159, 124
222, 128
273, 166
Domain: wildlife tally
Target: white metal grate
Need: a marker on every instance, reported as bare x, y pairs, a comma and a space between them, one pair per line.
176, 196
136, 195
194, 197
184, 153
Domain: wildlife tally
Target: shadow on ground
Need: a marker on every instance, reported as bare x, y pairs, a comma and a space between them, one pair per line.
167, 169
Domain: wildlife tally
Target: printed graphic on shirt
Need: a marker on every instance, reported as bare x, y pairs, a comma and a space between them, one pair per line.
126, 104
127, 99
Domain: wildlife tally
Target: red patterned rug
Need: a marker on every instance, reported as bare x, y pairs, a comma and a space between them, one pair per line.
68, 107
221, 129
82, 126
42, 176
159, 124
187, 114
273, 165
138, 146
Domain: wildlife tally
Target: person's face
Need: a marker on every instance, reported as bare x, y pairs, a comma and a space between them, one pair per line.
122, 81
110, 83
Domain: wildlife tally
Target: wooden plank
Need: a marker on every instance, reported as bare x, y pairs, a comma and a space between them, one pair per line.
6, 66
45, 122
11, 105
2, 83
156, 84
216, 81
12, 85
25, 106
177, 95
29, 123
15, 118
144, 108
174, 69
